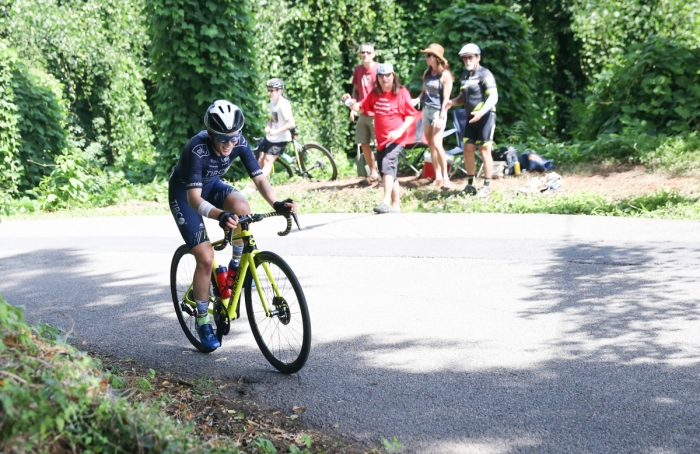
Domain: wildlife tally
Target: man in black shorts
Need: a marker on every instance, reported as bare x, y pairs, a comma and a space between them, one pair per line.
479, 97
195, 190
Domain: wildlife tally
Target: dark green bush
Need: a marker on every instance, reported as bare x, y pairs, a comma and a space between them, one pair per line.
32, 122
655, 90
200, 52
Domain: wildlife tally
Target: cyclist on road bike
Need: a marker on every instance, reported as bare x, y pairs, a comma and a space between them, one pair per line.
196, 190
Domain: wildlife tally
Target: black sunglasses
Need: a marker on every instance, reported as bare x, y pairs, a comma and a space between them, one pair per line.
223, 138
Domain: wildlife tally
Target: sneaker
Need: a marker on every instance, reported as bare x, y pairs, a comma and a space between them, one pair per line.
469, 190
207, 336
484, 192
382, 208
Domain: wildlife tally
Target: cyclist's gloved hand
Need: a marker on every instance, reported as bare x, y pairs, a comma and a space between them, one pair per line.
224, 220
283, 210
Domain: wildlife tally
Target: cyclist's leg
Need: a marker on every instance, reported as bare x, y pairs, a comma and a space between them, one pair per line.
191, 226
486, 129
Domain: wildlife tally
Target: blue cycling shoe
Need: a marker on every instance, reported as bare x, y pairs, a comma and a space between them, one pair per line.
207, 336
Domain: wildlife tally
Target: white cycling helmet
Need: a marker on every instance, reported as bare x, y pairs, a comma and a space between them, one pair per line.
275, 82
470, 49
222, 117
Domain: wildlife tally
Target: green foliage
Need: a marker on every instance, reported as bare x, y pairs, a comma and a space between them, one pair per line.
55, 398
505, 39
200, 52
32, 122
10, 164
86, 57
43, 116
313, 46
606, 28
655, 89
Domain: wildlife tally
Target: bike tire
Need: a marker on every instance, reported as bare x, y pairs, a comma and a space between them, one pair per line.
181, 274
318, 163
284, 338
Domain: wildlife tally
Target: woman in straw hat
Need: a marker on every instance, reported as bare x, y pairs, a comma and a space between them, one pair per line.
437, 86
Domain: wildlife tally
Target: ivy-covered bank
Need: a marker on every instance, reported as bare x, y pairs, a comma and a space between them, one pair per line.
98, 97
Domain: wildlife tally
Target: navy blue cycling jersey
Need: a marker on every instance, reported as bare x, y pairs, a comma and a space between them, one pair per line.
476, 86
199, 166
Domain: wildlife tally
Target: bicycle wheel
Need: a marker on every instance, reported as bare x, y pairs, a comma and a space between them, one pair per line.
181, 274
318, 163
285, 336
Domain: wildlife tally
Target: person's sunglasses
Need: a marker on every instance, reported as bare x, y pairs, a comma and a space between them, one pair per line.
384, 75
365, 52
468, 57
223, 138
429, 55
271, 90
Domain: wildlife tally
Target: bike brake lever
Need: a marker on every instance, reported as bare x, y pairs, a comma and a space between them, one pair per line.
296, 220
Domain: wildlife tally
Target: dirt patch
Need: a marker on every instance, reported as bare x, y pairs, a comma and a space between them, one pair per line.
614, 182
219, 409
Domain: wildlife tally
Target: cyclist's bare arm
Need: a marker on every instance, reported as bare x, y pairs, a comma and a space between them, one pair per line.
268, 193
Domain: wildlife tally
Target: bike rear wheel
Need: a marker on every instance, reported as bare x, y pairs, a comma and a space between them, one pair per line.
284, 337
318, 163
181, 275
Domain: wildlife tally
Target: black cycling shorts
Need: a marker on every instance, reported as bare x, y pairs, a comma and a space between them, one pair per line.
189, 222
274, 148
482, 131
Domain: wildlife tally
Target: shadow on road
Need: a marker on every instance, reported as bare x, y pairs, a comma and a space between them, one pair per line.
622, 376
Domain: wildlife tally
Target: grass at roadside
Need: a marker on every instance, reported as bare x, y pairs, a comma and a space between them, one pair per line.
347, 196
54, 398
665, 203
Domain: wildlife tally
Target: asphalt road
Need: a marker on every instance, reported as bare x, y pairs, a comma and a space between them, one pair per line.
452, 333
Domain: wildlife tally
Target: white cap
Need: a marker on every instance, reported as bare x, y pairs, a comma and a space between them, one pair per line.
470, 49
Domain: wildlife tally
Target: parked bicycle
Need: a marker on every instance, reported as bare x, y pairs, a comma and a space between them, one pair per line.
274, 300
309, 160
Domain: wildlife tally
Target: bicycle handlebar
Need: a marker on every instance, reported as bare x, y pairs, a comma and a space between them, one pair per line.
249, 218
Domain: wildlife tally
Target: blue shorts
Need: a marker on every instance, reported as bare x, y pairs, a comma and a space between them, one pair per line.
189, 222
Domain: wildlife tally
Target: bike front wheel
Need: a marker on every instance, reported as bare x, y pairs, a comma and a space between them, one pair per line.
284, 336
318, 163
181, 275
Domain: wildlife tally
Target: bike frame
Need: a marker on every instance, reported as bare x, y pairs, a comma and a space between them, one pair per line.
250, 250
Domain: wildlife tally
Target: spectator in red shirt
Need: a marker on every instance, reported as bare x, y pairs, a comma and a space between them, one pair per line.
363, 80
390, 103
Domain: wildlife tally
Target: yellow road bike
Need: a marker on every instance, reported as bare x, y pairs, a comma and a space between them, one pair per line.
275, 303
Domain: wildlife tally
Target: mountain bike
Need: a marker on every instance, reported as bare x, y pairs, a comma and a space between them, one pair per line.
311, 160
275, 303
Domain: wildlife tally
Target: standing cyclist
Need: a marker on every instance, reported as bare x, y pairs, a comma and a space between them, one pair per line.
479, 97
196, 190
277, 132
